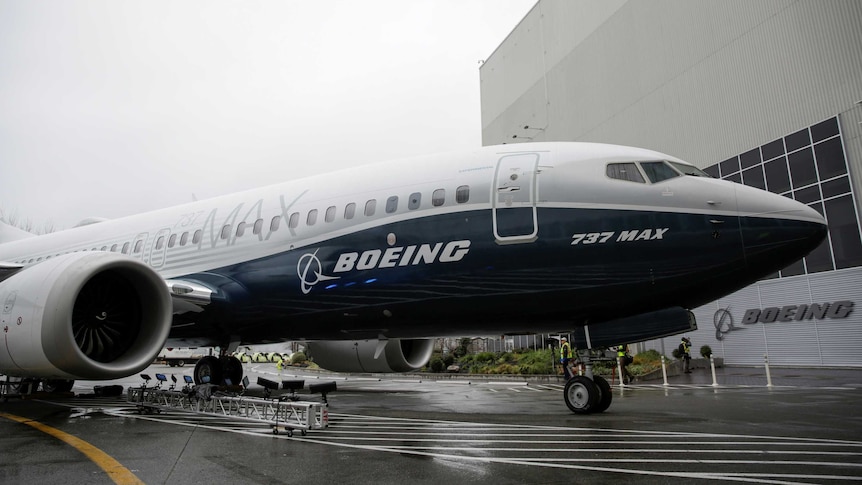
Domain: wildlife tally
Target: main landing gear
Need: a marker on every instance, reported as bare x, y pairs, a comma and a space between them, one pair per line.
222, 370
587, 393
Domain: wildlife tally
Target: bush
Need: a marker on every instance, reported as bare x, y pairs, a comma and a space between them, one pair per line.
448, 360
298, 358
648, 356
706, 351
436, 365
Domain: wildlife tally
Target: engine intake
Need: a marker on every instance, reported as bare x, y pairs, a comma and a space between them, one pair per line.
83, 316
393, 355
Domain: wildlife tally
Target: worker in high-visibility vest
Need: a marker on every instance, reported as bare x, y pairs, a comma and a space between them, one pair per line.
565, 357
623, 358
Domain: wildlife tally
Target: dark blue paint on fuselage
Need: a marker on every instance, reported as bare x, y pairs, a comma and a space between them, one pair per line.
488, 291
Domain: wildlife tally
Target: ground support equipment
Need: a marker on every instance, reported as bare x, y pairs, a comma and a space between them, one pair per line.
280, 413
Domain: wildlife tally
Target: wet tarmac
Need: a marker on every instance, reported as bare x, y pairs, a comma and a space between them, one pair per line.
406, 429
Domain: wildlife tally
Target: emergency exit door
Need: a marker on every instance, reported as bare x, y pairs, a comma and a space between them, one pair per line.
514, 200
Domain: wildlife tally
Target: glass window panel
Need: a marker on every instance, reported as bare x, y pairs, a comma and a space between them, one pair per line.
330, 214
734, 178
824, 129
196, 238
414, 201
138, 246
370, 207
818, 207
240, 229
777, 179
311, 219
797, 140
160, 242
273, 225
258, 225
184, 239
844, 231
624, 171
225, 231
835, 187
773, 149
830, 159
658, 171
771, 276
729, 166
712, 170
754, 177
820, 259
392, 204
750, 158
802, 170
794, 269
293, 220
350, 210
807, 195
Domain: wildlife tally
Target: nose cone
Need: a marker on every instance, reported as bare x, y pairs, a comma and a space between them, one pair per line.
776, 231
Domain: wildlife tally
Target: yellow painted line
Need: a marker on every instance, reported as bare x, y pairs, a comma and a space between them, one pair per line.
117, 472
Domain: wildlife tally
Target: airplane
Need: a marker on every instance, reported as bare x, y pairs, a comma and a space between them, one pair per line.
367, 265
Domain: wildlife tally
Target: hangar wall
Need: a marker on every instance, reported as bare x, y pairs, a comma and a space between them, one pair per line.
719, 84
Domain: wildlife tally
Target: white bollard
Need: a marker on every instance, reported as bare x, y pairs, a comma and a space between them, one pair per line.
620, 373
712, 365
664, 370
768, 375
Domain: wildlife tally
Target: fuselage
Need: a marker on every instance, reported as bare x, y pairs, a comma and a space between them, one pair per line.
504, 239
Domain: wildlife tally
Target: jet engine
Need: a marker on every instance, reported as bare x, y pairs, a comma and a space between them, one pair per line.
87, 315
393, 355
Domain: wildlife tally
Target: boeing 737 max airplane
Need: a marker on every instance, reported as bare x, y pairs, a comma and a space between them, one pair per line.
613, 244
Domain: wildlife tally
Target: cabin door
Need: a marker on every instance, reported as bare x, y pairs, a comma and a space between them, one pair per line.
514, 199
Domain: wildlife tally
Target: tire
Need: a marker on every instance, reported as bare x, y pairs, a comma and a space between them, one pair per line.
181, 363
233, 370
605, 394
581, 395
208, 370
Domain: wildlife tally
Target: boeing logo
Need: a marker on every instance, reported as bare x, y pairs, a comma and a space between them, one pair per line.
723, 320
310, 269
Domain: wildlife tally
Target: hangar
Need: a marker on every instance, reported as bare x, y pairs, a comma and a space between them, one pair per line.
767, 94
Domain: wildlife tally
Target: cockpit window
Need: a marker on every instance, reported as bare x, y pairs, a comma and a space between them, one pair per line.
658, 171
625, 171
689, 170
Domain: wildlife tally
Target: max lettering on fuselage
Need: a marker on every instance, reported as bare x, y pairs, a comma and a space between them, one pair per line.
310, 272
624, 236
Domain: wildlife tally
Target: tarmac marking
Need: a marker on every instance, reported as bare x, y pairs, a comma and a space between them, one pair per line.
116, 472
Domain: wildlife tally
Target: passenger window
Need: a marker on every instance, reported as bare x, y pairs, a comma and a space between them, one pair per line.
126, 248
462, 194
370, 207
104, 248
392, 204
172, 241
330, 214
312, 217
273, 226
240, 229
293, 221
138, 246
160, 242
438, 197
349, 210
414, 201
196, 238
658, 171
625, 171
225, 231
184, 239
114, 248
258, 225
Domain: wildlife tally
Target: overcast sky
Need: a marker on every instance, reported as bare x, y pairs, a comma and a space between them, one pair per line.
113, 108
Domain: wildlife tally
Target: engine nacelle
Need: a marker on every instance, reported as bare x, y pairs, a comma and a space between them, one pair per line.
393, 355
86, 315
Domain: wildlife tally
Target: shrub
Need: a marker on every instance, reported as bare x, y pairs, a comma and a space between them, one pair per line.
298, 358
436, 365
706, 351
448, 360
